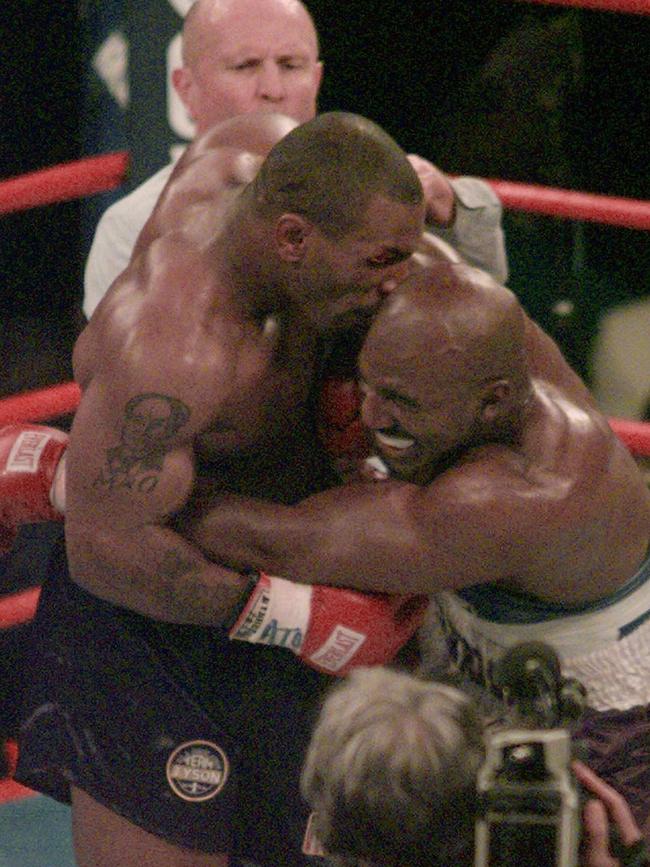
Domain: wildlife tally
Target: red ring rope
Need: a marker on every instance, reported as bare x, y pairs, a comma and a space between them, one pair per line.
556, 202
9, 789
635, 434
19, 607
638, 7
97, 174
63, 182
41, 404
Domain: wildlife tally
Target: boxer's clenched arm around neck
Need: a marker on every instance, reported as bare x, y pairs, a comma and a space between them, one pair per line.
471, 526
494, 517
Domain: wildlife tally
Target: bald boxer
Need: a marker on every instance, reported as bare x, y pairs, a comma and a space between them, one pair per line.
198, 372
505, 493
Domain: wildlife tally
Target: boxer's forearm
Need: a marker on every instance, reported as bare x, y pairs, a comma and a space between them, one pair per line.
155, 573
350, 537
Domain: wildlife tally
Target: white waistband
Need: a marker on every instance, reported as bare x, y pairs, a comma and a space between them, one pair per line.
611, 661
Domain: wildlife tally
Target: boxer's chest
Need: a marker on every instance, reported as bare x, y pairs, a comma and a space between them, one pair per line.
264, 441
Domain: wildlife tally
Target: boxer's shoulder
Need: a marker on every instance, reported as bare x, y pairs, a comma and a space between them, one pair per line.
256, 133
231, 151
209, 177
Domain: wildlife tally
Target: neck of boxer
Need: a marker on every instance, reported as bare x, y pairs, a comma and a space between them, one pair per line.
256, 282
263, 283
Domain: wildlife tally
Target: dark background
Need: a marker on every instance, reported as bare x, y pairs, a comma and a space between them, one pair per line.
487, 87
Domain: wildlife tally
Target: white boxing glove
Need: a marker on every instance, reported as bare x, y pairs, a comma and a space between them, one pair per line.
330, 628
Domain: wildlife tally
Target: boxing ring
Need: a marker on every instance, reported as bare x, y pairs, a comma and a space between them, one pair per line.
92, 175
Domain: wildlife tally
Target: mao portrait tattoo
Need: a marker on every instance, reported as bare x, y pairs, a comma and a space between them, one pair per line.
150, 425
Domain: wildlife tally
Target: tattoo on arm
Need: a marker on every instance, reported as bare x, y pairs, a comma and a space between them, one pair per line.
151, 421
175, 566
180, 588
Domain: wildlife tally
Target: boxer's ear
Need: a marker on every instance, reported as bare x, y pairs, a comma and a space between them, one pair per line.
291, 234
183, 82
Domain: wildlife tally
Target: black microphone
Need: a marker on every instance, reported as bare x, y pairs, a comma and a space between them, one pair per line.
530, 678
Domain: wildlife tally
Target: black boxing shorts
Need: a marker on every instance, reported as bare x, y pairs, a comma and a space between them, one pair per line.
193, 737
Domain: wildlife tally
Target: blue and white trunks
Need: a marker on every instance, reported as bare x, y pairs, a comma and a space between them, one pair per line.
604, 644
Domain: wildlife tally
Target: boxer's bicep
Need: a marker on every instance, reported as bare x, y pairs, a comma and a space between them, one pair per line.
390, 537
127, 447
129, 467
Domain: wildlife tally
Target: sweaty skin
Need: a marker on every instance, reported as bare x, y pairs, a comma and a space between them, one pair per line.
198, 364
503, 468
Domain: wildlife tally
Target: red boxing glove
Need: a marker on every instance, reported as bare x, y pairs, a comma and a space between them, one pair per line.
339, 424
29, 458
331, 629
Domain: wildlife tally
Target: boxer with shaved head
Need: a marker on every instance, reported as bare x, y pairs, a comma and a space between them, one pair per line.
504, 492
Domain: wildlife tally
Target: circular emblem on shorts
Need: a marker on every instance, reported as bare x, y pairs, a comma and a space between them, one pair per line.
197, 770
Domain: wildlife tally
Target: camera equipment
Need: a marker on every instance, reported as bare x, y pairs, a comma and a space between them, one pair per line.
529, 807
